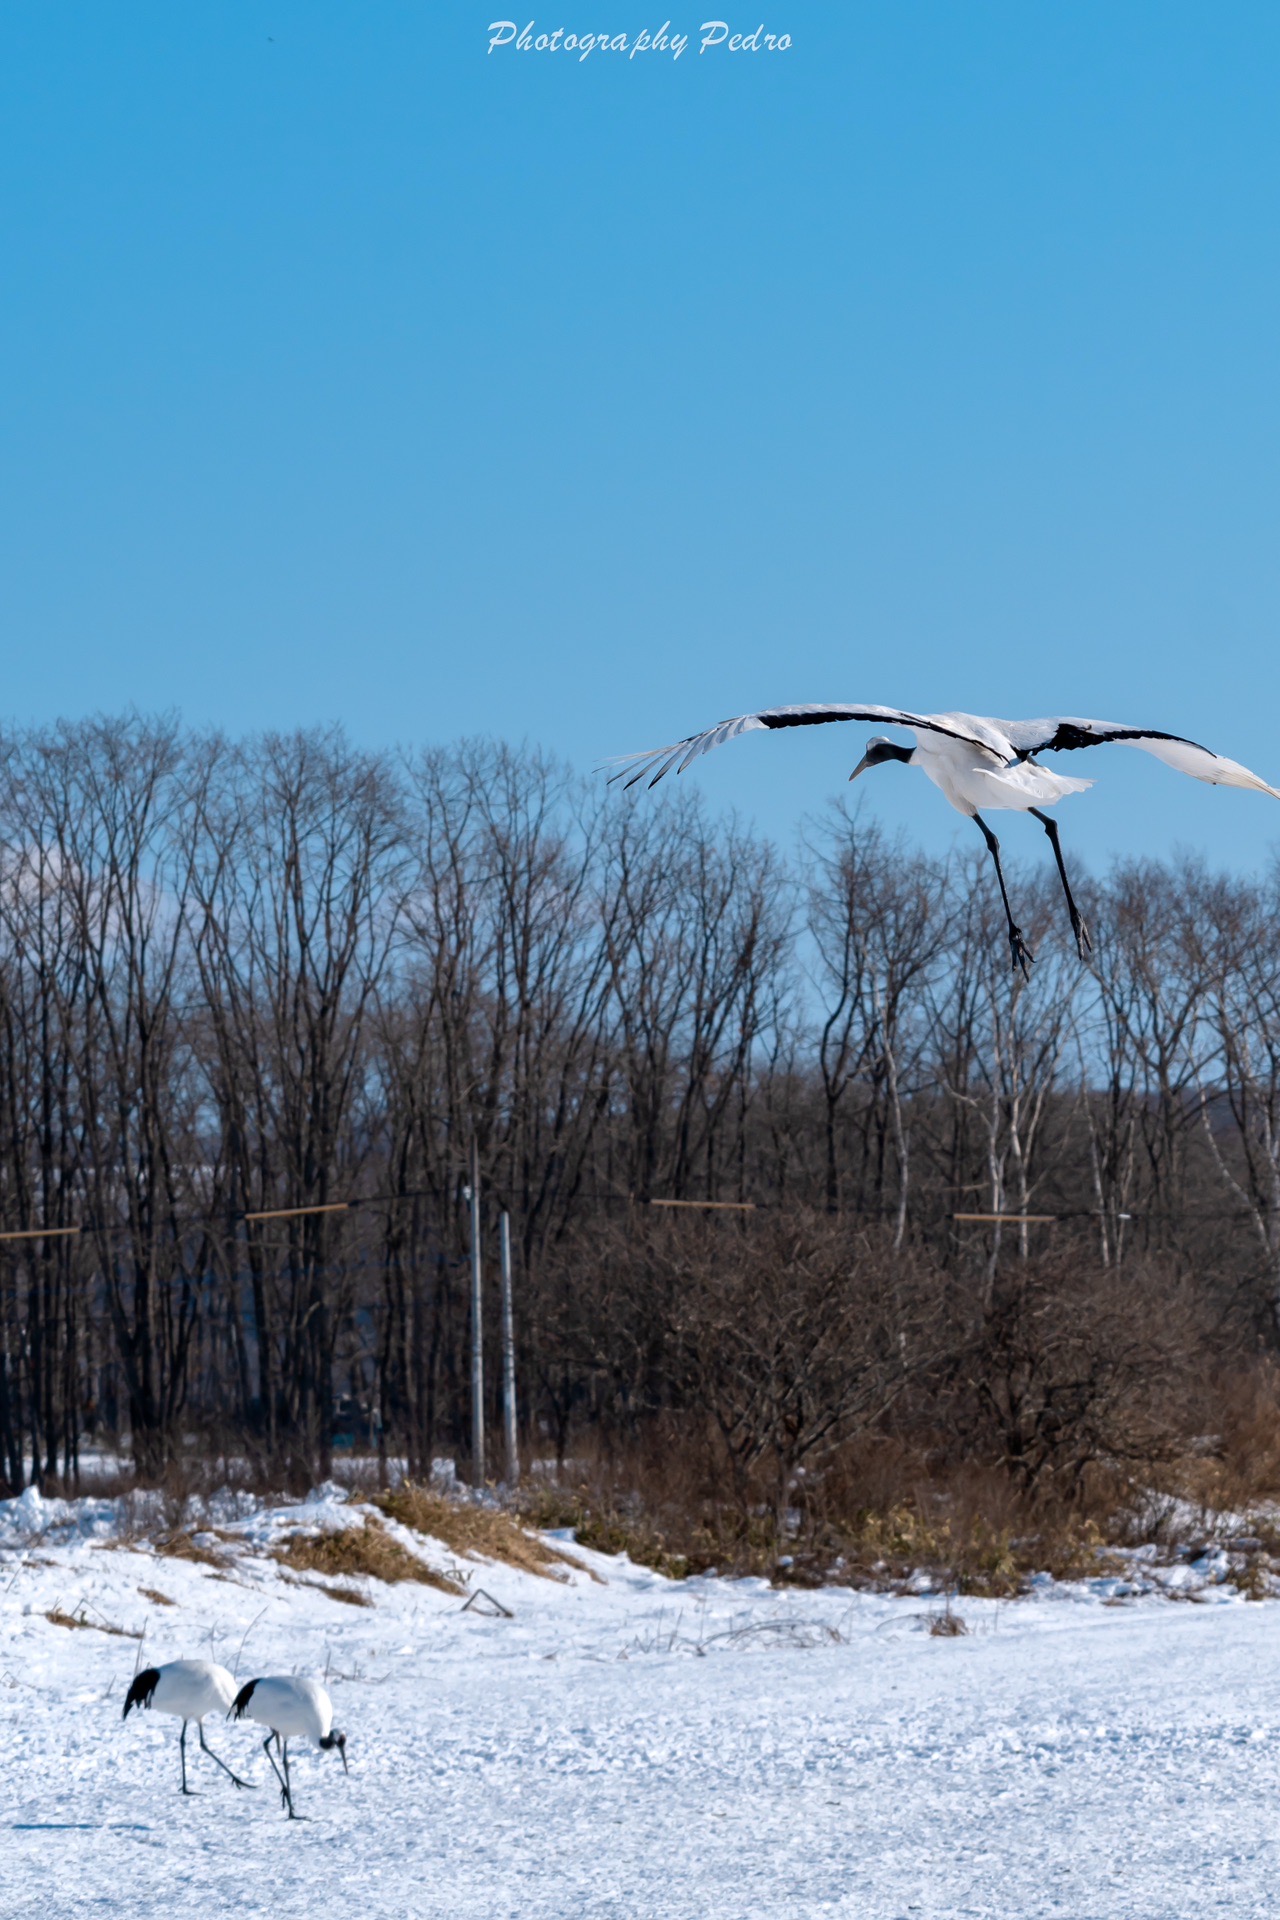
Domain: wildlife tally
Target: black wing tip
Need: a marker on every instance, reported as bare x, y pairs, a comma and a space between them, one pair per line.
1069, 738
142, 1691
242, 1700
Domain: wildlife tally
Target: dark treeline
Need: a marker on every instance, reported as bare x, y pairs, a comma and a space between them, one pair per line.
283, 973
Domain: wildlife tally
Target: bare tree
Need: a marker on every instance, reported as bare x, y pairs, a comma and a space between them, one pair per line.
1241, 1083
877, 933
298, 867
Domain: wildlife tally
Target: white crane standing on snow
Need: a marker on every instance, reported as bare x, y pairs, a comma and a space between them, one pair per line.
190, 1689
292, 1709
979, 764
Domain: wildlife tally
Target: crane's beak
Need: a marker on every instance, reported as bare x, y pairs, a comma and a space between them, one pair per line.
861, 767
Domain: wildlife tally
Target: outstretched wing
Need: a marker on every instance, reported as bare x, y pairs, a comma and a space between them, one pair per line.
1066, 736
660, 760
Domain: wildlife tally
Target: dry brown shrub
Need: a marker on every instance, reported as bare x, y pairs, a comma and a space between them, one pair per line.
963, 1548
666, 1501
1227, 1477
882, 1509
1061, 1365
474, 1531
156, 1597
783, 1333
1256, 1579
663, 1504
365, 1552
1240, 1465
223, 1460
893, 1507
609, 1531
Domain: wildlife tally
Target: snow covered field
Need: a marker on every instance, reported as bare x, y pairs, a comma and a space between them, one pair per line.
631, 1748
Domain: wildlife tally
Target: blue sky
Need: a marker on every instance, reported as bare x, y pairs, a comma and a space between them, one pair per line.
353, 372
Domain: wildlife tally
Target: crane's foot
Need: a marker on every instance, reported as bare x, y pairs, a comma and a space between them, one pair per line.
1021, 952
248, 1785
222, 1766
1084, 945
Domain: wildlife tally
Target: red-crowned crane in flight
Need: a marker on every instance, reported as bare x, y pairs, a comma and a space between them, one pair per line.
981, 765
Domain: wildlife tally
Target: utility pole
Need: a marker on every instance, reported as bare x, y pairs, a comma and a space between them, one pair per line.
477, 1327
508, 1356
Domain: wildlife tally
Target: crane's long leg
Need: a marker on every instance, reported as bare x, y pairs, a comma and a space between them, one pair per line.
182, 1749
220, 1763
1084, 946
1017, 945
266, 1748
284, 1754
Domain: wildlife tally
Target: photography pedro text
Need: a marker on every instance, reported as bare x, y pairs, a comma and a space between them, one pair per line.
713, 34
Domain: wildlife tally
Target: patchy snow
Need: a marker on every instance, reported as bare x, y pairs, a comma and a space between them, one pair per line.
626, 1746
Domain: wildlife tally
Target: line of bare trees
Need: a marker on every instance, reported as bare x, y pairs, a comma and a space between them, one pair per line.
239, 978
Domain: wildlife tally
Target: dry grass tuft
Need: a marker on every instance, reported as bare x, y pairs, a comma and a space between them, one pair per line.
58, 1618
179, 1545
159, 1599
945, 1625
349, 1596
366, 1552
471, 1530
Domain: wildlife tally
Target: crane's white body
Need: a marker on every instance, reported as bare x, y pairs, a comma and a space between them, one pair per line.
975, 779
291, 1709
295, 1709
190, 1690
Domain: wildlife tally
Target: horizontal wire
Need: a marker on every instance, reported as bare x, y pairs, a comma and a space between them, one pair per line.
230, 1218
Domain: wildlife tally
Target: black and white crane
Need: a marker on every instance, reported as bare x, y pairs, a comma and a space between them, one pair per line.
981, 765
292, 1709
190, 1689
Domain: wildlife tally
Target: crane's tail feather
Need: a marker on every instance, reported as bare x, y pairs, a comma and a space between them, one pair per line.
241, 1701
142, 1692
